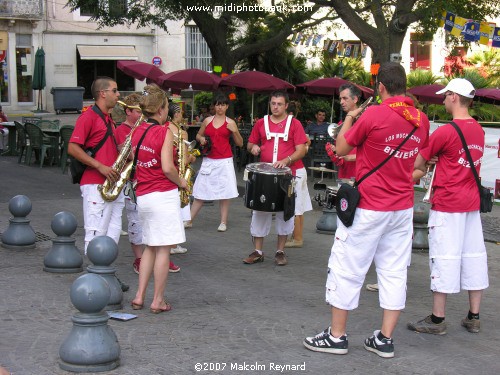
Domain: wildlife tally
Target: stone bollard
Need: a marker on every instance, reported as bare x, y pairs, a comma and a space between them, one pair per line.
91, 346
102, 251
420, 230
327, 223
19, 234
64, 256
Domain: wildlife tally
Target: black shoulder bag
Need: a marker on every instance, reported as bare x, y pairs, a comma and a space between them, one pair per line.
129, 188
76, 167
348, 195
485, 195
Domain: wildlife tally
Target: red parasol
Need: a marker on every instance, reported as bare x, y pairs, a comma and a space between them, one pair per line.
427, 93
140, 70
197, 79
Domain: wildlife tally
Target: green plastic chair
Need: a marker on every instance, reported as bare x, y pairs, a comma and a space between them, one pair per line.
22, 141
41, 142
31, 119
48, 124
65, 132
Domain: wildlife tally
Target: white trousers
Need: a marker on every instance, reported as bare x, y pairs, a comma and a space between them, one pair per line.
381, 237
101, 218
457, 254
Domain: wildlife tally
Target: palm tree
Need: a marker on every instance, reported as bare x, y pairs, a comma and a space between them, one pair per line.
420, 77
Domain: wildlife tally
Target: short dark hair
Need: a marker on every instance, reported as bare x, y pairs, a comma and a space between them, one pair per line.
280, 94
353, 90
393, 76
321, 110
220, 98
99, 84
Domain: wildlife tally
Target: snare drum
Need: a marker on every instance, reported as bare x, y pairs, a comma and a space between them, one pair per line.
266, 187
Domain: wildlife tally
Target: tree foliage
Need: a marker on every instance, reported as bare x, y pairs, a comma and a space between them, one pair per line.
383, 24
221, 23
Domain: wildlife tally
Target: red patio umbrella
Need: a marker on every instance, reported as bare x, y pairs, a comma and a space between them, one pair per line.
427, 93
140, 70
254, 81
197, 79
330, 87
488, 95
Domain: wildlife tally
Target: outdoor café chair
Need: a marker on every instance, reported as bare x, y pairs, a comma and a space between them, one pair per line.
41, 142
65, 131
22, 141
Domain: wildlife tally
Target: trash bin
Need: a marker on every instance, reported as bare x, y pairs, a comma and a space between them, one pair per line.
68, 99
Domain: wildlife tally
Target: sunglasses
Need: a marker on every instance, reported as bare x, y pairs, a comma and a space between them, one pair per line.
114, 90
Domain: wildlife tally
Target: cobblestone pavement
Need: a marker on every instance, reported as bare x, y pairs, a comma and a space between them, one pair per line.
227, 316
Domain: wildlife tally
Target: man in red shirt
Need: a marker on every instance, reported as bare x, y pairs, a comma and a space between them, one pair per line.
101, 218
283, 144
350, 95
382, 228
456, 245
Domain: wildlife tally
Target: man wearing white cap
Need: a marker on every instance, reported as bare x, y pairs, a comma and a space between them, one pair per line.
456, 246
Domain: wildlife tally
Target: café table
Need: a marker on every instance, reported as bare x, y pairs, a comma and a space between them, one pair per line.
12, 138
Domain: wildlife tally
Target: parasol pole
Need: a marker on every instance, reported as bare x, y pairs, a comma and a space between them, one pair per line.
331, 112
251, 119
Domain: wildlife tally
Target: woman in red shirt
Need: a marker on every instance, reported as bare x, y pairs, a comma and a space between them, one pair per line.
216, 179
157, 197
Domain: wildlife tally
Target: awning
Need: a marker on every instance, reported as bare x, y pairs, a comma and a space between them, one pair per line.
107, 52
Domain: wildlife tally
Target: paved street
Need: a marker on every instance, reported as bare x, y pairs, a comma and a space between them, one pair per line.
225, 315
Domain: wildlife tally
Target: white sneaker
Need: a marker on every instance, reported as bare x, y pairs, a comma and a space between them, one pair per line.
178, 250
372, 287
222, 227
123, 233
188, 224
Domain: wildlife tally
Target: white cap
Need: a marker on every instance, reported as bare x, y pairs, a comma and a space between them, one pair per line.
459, 86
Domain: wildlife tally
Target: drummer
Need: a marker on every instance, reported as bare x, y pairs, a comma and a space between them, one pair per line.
279, 139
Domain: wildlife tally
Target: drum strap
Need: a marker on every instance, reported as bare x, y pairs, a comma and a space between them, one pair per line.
277, 136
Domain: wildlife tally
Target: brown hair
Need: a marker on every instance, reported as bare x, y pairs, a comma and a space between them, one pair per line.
153, 98
132, 99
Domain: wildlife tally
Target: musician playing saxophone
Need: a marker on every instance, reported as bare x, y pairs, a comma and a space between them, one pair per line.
157, 193
175, 116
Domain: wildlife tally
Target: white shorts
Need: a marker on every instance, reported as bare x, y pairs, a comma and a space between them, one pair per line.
261, 224
160, 214
186, 212
457, 254
215, 180
303, 199
382, 237
101, 218
134, 223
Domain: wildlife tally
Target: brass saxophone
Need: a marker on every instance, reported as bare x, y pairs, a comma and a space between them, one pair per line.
185, 170
111, 190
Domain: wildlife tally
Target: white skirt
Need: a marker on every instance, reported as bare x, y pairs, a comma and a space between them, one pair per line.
216, 180
160, 215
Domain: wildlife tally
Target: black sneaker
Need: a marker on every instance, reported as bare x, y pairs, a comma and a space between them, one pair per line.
325, 342
383, 348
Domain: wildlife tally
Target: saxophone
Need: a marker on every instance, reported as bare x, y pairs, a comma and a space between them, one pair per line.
185, 170
111, 190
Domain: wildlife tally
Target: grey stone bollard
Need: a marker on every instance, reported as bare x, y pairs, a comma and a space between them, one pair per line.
102, 251
64, 256
327, 223
420, 230
19, 234
92, 345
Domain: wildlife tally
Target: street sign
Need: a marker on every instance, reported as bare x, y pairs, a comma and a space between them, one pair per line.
157, 60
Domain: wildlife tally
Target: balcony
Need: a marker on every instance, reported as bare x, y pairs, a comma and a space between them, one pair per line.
16, 9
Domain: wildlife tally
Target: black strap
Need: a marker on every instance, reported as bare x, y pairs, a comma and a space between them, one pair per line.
134, 163
467, 152
386, 159
98, 111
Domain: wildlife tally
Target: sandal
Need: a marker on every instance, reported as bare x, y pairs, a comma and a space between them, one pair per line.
158, 311
136, 306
